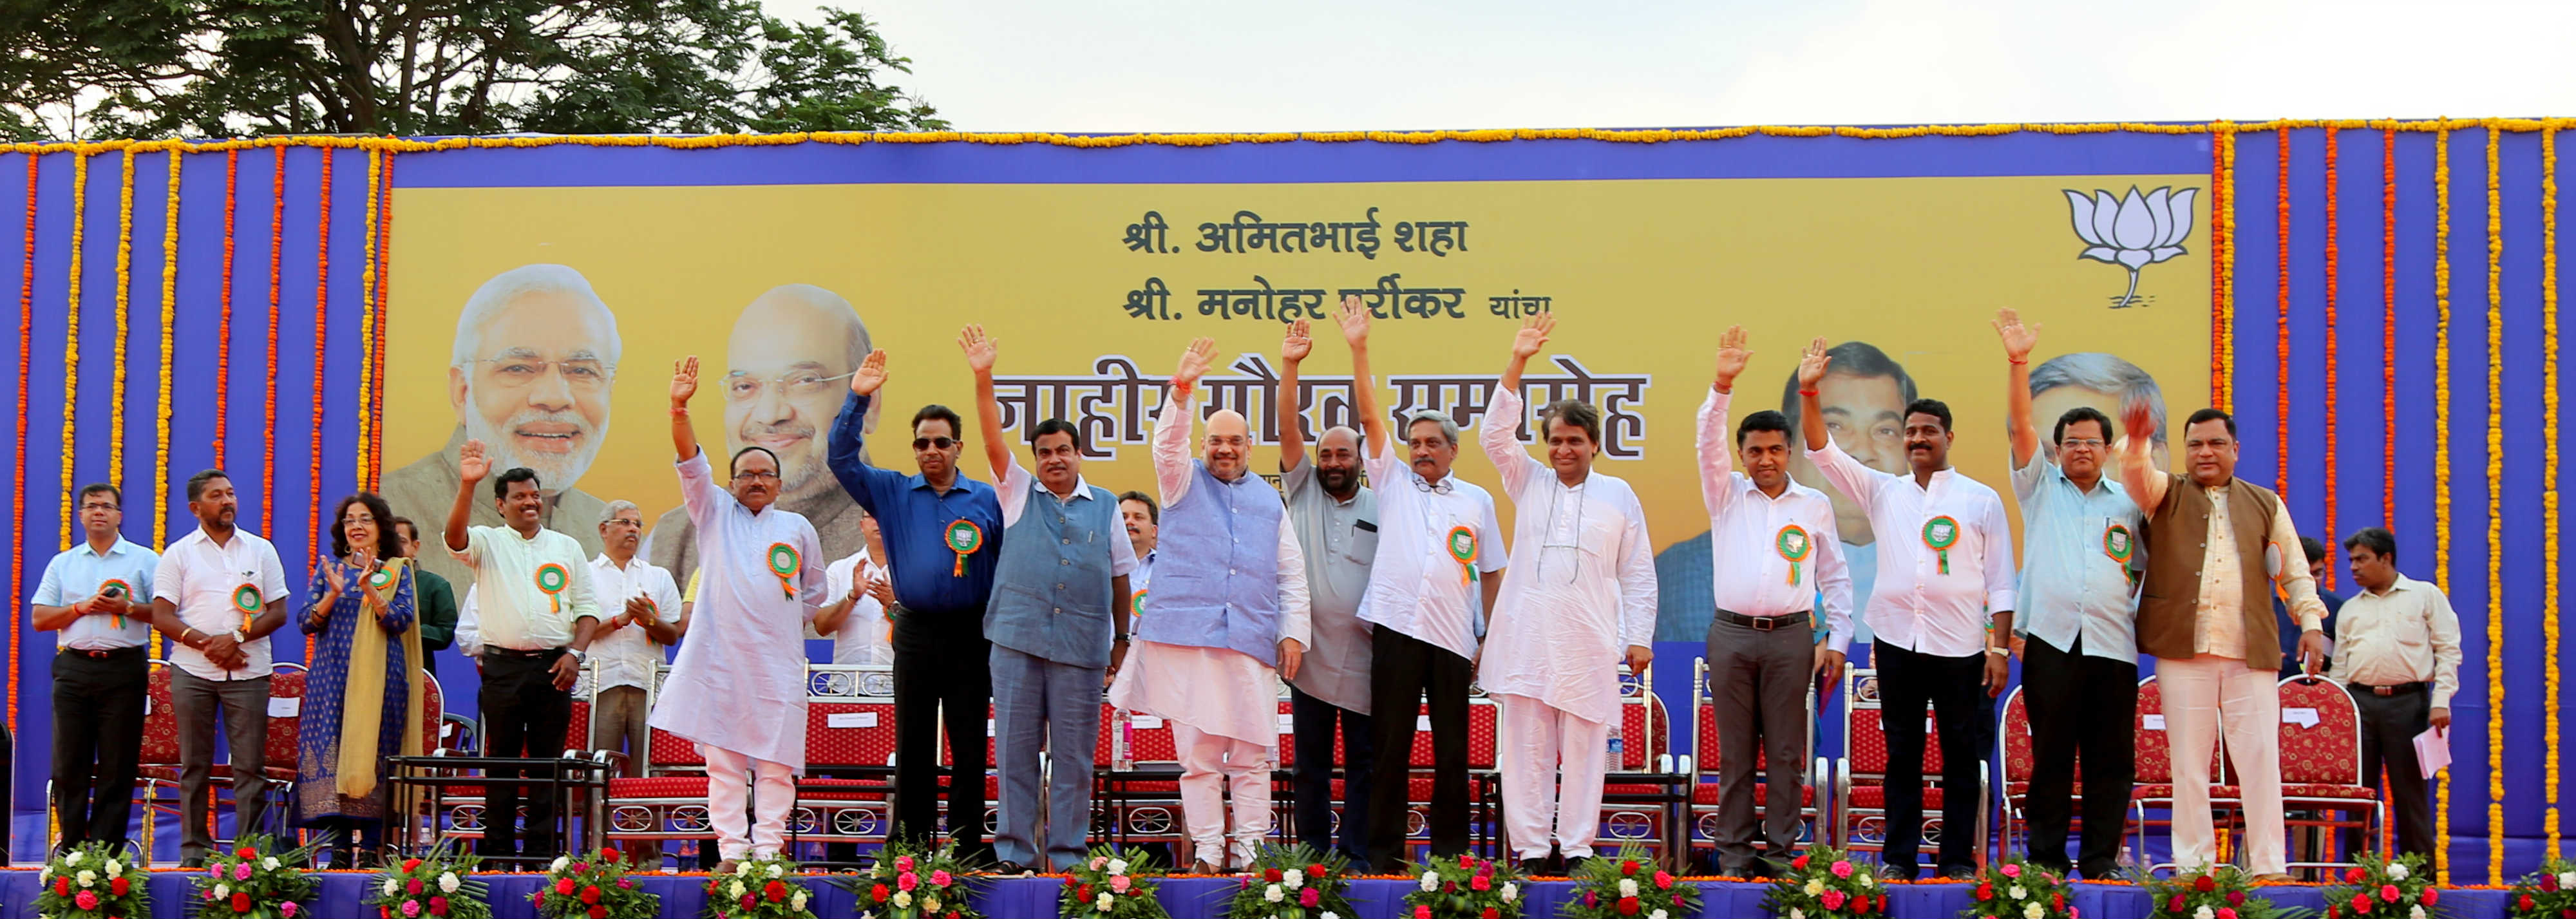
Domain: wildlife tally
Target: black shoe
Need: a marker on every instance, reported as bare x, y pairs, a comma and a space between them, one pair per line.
1575, 864
198, 861
1959, 872
1010, 869
1891, 872
1533, 867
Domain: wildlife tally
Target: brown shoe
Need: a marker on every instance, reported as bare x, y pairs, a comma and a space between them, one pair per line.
1202, 867
726, 867
2275, 878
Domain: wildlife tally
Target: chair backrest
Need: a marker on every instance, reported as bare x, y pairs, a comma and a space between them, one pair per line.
1482, 714
1637, 741
577, 731
1287, 750
160, 721
2325, 750
1868, 741
433, 711
668, 751
866, 737
285, 681
2013, 735
1153, 738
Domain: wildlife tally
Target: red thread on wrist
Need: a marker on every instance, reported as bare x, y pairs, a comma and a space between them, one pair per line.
679, 411
2017, 361
1806, 392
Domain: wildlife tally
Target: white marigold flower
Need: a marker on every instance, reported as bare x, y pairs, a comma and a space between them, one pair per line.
1430, 882
1511, 891
736, 890
2018, 893
45, 874
928, 904
1117, 866
269, 863
1627, 887
72, 858
115, 869
1815, 888
390, 887
447, 883
1294, 878
1101, 904
777, 870
902, 899
2204, 913
1274, 894
1796, 913
2031, 910
87, 878
2566, 879
797, 902
223, 890
1865, 879
560, 862
2415, 912
1658, 914
1329, 914
2396, 871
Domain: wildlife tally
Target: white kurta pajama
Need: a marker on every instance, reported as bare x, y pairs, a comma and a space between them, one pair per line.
738, 688
1582, 590
1223, 705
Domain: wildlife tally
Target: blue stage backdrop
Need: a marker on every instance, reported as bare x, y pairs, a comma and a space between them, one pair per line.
2376, 301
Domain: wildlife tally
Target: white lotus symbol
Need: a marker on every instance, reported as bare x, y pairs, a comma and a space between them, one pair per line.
2134, 231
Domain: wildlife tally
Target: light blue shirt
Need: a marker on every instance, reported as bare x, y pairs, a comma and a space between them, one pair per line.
79, 572
2071, 583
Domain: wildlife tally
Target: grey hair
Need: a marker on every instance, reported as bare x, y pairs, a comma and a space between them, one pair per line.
620, 504
507, 287
2102, 372
1448, 425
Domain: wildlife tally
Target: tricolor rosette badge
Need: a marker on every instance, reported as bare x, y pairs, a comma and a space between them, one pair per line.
784, 562
1462, 546
2121, 546
964, 537
1939, 534
1794, 547
382, 579
246, 602
1136, 606
553, 578
122, 591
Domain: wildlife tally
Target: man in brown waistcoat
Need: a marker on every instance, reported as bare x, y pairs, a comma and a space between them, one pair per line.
2216, 547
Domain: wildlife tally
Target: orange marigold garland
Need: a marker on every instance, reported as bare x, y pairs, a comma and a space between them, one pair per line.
124, 301
2388, 325
2222, 262
2442, 438
367, 321
384, 290
224, 326
321, 339
2495, 511
276, 257
26, 366
2281, 317
169, 344
2333, 344
2549, 476
71, 334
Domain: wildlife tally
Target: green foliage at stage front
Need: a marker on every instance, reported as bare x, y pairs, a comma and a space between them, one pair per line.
254, 881
2212, 893
1631, 885
594, 885
1294, 882
2384, 888
92, 881
1465, 887
2548, 894
912, 882
1825, 883
439, 885
1112, 884
759, 888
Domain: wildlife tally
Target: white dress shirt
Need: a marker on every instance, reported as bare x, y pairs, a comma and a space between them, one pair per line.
866, 636
1915, 606
627, 656
1416, 587
2408, 634
1750, 540
517, 612
204, 581
1014, 490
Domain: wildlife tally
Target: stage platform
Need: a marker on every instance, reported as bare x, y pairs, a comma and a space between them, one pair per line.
344, 893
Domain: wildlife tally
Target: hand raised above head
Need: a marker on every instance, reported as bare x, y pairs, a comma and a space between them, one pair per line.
870, 375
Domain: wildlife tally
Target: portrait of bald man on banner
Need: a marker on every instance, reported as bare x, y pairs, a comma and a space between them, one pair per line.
2106, 383
787, 368
535, 353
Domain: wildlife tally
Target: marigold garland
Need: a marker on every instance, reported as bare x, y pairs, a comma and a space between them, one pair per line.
124, 303
26, 365
2549, 477
2222, 320
2333, 344
2442, 438
224, 326
2281, 316
384, 226
367, 412
276, 260
321, 339
169, 345
2495, 511
2388, 325
71, 333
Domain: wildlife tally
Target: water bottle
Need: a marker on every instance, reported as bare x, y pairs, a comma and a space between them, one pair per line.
1122, 745
1618, 751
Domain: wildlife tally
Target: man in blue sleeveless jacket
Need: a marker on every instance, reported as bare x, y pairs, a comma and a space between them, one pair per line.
1228, 621
1055, 622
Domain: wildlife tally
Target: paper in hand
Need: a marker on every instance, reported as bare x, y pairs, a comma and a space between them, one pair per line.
2432, 750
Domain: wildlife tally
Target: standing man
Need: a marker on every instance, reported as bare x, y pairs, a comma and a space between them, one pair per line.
533, 617
1776, 549
1336, 524
2079, 580
1054, 647
2398, 647
434, 600
738, 688
1944, 570
943, 534
1439, 566
1563, 624
218, 592
861, 610
629, 647
2217, 546
98, 594
2318, 558
1143, 517
1231, 620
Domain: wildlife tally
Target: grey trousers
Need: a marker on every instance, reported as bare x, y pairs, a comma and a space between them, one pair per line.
243, 706
1037, 700
1758, 684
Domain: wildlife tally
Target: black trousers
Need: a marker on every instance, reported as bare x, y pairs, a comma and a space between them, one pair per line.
1404, 671
524, 716
2388, 727
2079, 706
1951, 685
1315, 720
98, 737
942, 670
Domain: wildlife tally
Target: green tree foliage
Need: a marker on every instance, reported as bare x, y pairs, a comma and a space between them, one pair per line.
220, 68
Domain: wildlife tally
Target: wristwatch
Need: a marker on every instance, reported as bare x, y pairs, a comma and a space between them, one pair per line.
1998, 652
238, 638
578, 655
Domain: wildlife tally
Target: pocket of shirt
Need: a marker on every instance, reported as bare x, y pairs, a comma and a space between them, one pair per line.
1363, 543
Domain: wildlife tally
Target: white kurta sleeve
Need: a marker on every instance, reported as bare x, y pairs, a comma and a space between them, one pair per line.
1833, 576
1122, 554
1857, 482
1296, 612
1636, 579
2002, 586
1172, 447
813, 586
1498, 433
1716, 459
469, 630
1013, 492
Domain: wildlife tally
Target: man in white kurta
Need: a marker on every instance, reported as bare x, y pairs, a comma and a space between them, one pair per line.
1581, 599
1222, 702
738, 688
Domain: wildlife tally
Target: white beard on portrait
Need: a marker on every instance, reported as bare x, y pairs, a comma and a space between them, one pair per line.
556, 470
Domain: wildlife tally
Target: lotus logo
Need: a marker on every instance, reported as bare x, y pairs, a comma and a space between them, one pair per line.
2133, 231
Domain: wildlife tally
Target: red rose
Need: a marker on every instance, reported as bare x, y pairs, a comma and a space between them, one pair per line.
564, 887
2333, 911
1985, 891
2352, 876
878, 893
599, 912
2432, 896
1492, 913
2174, 905
411, 865
62, 886
2057, 901
1450, 887
1466, 861
611, 855
246, 852
1627, 906
590, 895
775, 891
2361, 903
384, 913
1316, 872
2525, 903
1083, 893
1677, 899
1799, 863
241, 903
2388, 892
438, 906
2204, 884
2567, 913
119, 887
2236, 898
1271, 875
537, 899
750, 902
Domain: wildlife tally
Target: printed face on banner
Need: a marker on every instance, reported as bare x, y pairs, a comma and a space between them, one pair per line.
532, 381
787, 371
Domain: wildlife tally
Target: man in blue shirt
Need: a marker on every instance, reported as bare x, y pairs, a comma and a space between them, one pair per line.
943, 535
2079, 575
98, 595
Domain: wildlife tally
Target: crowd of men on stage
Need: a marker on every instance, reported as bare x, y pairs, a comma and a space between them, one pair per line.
1377, 585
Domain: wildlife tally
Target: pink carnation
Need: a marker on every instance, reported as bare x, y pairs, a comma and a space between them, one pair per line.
1842, 869
288, 909
2388, 892
413, 888
411, 908
1118, 883
1833, 899
2226, 912
241, 871
2012, 870
907, 881
903, 863
1099, 862
86, 900
939, 878
1310, 897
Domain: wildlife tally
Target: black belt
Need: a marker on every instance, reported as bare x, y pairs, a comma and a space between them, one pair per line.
538, 654
1762, 623
2401, 689
109, 654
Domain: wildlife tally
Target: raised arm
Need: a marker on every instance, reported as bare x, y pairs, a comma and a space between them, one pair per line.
1812, 365
1354, 320
1499, 432
471, 467
1290, 412
1172, 427
2018, 340
684, 384
2138, 472
845, 445
980, 350
1716, 454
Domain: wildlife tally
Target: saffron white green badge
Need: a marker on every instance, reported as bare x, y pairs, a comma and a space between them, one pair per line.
1939, 534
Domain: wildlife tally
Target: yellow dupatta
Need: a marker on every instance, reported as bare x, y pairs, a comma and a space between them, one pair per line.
363, 699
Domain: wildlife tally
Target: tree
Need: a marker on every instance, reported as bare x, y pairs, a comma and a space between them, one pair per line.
221, 68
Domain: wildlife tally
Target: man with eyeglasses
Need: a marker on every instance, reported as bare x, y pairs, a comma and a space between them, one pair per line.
628, 647
1229, 620
943, 535
1439, 565
535, 353
788, 368
98, 596
2079, 601
1563, 623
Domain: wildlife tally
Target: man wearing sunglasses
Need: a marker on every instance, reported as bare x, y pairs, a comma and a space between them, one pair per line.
943, 535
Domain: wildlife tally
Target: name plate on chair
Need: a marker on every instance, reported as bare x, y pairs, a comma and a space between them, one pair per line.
285, 706
2152, 722
2303, 717
1145, 722
1288, 724
850, 720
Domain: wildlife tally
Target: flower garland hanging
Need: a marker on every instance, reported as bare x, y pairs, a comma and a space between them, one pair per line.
169, 345
276, 265
124, 304
2549, 474
71, 332
2222, 247
2387, 325
26, 366
2281, 316
2333, 344
384, 292
2442, 438
367, 413
321, 356
224, 326
2495, 511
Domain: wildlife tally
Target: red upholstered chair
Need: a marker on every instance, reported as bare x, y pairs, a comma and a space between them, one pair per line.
1138, 811
2321, 764
1705, 764
1652, 808
158, 766
2154, 786
1861, 776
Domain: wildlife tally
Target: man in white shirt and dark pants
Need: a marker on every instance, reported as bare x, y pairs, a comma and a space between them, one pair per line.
98, 595
2397, 647
1563, 623
1945, 568
1774, 550
629, 647
218, 592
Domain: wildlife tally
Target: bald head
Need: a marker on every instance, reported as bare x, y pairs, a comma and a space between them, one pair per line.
791, 349
1228, 445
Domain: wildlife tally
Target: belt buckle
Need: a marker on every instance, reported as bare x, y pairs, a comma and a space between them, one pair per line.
1764, 623
2384, 690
